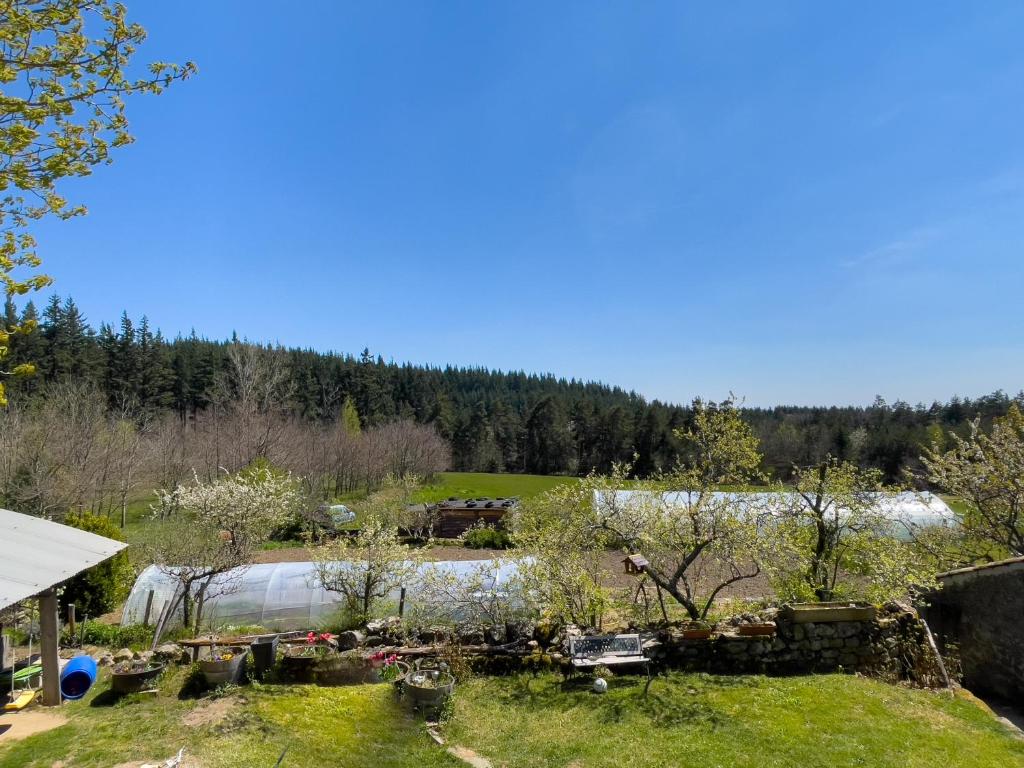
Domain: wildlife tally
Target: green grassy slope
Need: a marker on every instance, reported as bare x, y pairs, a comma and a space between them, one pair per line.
524, 722
358, 727
471, 484
701, 720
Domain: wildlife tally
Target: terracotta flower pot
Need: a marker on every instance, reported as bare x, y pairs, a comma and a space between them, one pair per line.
755, 630
697, 634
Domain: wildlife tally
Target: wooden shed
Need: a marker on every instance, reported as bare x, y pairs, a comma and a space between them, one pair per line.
455, 516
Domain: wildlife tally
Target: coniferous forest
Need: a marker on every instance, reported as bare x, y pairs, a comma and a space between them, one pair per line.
494, 421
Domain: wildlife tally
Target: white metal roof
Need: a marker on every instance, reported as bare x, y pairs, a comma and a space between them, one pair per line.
36, 554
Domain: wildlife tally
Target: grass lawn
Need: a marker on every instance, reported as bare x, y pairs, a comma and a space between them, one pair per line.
687, 720
471, 484
702, 720
353, 726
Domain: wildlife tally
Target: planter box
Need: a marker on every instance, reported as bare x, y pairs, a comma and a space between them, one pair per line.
230, 671
301, 668
129, 681
823, 613
346, 668
264, 653
697, 634
755, 630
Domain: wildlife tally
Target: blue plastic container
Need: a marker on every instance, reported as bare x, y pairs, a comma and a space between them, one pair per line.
77, 677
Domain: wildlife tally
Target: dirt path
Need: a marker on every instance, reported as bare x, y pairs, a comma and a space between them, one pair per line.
469, 757
19, 725
432, 554
615, 575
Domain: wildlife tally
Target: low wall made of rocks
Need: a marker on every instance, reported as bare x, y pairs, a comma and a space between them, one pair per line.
890, 646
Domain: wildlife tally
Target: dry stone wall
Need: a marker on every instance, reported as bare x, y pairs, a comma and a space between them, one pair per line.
891, 646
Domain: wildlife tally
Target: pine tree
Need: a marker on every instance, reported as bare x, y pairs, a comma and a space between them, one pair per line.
69, 341
548, 444
154, 372
123, 372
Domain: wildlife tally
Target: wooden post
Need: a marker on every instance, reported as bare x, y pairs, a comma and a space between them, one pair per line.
149, 607
71, 620
48, 647
199, 608
661, 602
938, 656
401, 603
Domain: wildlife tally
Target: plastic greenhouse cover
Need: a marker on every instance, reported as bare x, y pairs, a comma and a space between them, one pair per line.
910, 508
279, 596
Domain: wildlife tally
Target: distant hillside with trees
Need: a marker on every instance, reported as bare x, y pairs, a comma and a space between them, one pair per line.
493, 421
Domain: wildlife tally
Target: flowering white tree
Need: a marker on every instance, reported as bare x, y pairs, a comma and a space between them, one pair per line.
986, 471
565, 552
209, 529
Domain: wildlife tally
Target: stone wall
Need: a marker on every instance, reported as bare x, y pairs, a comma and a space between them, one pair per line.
891, 646
981, 611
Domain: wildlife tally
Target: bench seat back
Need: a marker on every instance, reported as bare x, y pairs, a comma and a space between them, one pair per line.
604, 646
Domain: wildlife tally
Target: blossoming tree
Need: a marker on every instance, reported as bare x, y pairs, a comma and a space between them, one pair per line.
205, 530
986, 471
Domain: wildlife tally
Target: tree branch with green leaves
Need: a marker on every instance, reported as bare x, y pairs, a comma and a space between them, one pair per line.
62, 111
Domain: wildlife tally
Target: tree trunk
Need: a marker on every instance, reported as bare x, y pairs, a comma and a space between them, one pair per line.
186, 606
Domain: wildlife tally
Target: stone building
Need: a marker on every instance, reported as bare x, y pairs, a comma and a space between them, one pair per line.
981, 610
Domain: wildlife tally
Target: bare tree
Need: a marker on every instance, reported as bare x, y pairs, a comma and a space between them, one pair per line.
250, 408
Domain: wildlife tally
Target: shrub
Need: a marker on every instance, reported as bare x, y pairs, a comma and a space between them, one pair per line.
109, 635
486, 537
100, 589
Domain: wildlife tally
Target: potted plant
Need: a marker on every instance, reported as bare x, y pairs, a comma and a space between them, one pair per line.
389, 669
134, 676
300, 661
696, 630
428, 689
316, 646
225, 665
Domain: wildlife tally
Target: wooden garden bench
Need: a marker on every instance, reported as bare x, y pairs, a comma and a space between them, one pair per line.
588, 653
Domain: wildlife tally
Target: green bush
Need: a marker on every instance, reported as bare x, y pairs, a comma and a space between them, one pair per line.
486, 537
109, 635
100, 589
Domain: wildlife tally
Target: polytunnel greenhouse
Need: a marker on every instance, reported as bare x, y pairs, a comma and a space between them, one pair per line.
908, 508
282, 596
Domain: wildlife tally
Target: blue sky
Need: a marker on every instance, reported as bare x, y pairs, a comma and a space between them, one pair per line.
797, 202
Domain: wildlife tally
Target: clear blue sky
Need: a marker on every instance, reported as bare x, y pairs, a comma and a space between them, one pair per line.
800, 203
